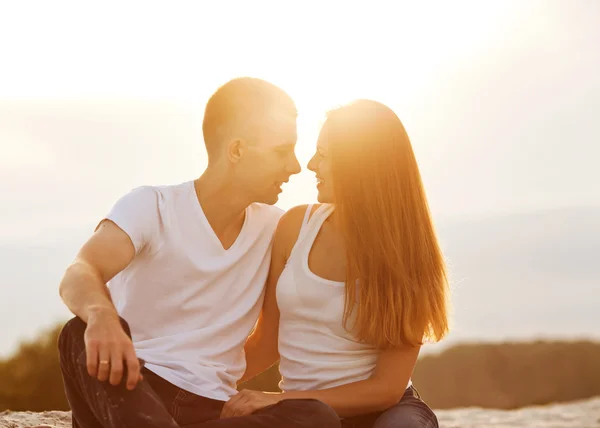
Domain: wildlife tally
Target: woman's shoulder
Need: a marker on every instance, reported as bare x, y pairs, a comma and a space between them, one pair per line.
291, 223
297, 213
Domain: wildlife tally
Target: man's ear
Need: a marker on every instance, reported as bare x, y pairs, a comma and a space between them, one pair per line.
236, 149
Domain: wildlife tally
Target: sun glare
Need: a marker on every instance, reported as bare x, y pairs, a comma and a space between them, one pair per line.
322, 57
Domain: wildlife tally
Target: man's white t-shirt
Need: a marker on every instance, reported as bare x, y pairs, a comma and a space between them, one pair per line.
190, 303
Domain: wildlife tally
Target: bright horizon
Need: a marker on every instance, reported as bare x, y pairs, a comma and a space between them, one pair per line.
500, 100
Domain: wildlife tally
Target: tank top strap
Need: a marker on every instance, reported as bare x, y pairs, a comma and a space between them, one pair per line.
307, 215
312, 223
304, 223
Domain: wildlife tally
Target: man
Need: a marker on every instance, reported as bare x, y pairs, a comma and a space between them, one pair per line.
186, 265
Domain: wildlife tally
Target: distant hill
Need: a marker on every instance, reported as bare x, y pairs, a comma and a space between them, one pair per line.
500, 375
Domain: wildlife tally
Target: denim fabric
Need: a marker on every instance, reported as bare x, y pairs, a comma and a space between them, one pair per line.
409, 412
153, 403
285, 414
157, 403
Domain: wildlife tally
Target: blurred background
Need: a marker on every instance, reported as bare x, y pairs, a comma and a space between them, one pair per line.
501, 100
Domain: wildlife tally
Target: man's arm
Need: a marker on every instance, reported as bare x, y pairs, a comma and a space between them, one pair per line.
83, 289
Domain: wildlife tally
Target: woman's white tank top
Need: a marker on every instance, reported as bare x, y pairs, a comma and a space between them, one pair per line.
316, 350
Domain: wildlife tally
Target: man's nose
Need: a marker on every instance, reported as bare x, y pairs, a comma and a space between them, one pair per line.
293, 167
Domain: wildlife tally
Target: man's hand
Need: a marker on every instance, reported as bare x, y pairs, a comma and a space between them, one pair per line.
107, 347
247, 402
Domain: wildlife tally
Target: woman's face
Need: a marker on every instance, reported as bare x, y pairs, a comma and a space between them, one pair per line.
320, 164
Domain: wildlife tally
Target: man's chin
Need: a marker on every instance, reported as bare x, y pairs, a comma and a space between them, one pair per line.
269, 200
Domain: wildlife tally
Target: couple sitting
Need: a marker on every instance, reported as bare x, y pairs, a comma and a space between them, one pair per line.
210, 284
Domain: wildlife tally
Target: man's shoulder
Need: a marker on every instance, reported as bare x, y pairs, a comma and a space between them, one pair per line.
159, 192
268, 213
149, 202
292, 216
166, 190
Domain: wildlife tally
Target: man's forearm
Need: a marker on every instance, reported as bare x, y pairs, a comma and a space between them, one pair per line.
84, 292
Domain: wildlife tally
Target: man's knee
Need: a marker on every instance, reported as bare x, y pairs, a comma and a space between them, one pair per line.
72, 335
72, 331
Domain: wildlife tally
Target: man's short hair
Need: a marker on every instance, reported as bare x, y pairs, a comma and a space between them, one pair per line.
237, 102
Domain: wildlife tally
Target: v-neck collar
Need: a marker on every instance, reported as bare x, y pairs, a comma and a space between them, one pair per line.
210, 230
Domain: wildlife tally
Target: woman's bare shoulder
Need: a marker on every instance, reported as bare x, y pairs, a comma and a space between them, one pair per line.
290, 224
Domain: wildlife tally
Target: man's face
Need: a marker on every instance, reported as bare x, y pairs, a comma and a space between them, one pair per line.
269, 158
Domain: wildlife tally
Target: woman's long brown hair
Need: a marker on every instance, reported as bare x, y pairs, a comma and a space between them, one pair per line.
396, 282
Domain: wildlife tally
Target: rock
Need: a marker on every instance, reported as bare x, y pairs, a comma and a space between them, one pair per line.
33, 419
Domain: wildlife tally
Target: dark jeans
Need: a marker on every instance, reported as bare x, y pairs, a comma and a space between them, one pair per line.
410, 412
157, 403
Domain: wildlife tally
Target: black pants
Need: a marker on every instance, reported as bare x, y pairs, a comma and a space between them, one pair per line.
157, 403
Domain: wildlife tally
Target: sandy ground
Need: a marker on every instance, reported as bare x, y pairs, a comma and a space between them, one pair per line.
580, 414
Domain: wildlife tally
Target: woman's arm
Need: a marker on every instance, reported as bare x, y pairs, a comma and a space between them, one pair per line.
261, 347
381, 391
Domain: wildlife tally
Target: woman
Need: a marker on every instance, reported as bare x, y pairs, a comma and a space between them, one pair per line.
357, 283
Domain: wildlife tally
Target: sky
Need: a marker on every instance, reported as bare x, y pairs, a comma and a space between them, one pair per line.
500, 99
